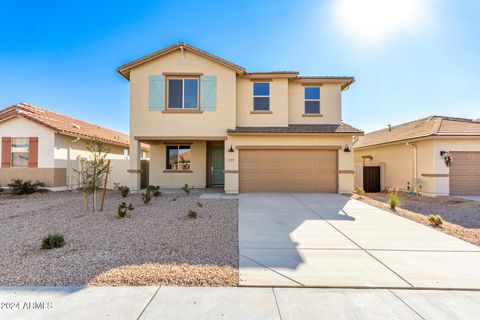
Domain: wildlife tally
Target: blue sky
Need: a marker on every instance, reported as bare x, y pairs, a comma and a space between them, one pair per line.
409, 62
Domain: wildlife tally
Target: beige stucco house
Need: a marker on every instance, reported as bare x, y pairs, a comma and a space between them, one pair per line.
211, 123
39, 144
416, 156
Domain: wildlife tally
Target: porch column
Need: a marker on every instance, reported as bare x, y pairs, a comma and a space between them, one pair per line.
135, 166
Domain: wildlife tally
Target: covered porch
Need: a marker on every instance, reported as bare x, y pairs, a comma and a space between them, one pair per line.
176, 161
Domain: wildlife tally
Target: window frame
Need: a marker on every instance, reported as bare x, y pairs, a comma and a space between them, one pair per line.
12, 165
183, 78
260, 96
167, 156
319, 101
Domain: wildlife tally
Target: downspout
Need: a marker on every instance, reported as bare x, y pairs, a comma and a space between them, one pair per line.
69, 176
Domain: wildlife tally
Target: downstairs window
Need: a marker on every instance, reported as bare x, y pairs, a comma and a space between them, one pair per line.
178, 157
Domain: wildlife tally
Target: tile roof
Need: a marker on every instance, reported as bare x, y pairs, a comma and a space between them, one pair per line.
430, 126
64, 124
299, 128
124, 70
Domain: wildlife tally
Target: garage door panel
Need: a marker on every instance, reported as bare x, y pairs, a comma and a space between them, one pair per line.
288, 171
465, 173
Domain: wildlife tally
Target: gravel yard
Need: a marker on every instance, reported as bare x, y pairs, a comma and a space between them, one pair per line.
156, 245
461, 217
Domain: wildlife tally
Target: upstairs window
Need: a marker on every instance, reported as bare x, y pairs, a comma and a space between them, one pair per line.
178, 157
19, 150
312, 100
183, 93
261, 96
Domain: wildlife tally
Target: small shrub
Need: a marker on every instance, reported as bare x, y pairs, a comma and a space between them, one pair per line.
192, 214
124, 190
199, 204
123, 209
52, 241
19, 186
435, 220
146, 196
359, 191
155, 190
186, 188
394, 199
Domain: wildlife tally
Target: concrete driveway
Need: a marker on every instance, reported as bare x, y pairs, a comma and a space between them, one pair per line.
328, 240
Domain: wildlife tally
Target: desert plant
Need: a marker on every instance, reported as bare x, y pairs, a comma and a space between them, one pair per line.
192, 214
359, 191
55, 240
155, 190
435, 220
124, 190
123, 209
146, 196
394, 199
19, 186
93, 172
186, 188
199, 204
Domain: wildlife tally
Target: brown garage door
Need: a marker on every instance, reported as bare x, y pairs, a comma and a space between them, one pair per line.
465, 173
288, 171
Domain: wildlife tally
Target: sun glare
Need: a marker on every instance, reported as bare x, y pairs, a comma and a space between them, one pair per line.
376, 20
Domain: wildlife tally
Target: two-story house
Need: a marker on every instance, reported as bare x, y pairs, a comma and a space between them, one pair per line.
211, 123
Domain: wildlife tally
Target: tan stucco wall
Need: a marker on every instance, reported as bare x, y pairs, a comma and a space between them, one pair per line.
330, 104
345, 159
144, 122
278, 104
52, 177
398, 160
198, 166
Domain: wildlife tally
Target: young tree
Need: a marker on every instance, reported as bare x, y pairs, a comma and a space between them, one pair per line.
93, 171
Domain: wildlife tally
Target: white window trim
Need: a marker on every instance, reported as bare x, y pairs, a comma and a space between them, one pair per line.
305, 100
260, 96
183, 92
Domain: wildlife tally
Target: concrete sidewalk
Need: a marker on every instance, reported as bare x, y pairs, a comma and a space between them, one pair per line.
131, 303
329, 240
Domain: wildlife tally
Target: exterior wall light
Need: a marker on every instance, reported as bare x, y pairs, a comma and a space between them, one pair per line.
447, 158
231, 149
346, 148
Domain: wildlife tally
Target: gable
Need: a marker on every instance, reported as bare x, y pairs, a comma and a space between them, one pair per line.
183, 50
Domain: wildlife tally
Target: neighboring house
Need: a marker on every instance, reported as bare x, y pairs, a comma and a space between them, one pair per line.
38, 144
211, 123
413, 156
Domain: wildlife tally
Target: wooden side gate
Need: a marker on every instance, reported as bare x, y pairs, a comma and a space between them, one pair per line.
144, 166
371, 179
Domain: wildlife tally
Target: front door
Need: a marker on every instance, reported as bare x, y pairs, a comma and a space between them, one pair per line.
218, 155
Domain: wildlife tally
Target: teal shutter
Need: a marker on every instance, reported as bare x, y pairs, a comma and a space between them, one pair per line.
156, 93
208, 93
